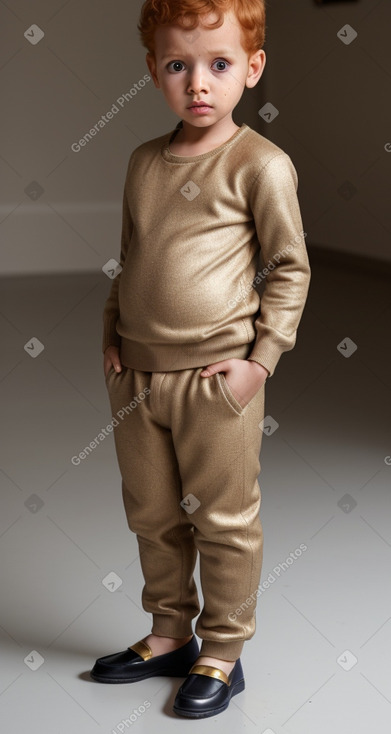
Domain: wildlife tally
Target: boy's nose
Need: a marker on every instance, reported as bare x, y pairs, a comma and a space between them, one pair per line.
196, 81
196, 89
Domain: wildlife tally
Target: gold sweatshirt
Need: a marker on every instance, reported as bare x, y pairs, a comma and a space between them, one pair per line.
198, 234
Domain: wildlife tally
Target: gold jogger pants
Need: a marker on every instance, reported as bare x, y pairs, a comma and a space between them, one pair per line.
188, 454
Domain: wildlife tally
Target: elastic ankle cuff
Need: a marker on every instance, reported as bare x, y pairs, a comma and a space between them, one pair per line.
165, 626
223, 650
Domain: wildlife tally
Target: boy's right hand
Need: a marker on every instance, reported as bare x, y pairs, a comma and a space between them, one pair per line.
111, 358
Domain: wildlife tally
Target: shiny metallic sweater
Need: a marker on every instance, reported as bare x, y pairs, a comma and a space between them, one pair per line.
199, 235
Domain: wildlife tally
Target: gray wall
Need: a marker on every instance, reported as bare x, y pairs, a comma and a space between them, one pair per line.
335, 117
61, 209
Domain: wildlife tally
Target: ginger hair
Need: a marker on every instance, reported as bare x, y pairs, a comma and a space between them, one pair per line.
187, 14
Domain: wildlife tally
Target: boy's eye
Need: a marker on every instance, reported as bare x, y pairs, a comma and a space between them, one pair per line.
175, 65
221, 61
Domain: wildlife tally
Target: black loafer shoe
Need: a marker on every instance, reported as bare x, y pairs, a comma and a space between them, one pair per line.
137, 663
207, 691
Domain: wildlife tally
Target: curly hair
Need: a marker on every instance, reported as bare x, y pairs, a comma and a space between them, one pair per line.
186, 13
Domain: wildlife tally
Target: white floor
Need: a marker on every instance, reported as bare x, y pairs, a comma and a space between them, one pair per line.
320, 658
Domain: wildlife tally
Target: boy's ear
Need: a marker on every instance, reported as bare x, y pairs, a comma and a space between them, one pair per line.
256, 65
151, 63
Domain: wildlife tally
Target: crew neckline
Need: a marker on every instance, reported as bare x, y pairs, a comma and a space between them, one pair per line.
172, 158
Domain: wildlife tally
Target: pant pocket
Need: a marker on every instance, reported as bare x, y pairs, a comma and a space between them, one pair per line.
228, 395
254, 404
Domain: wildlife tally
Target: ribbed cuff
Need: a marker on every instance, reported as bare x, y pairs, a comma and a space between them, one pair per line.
166, 625
222, 650
110, 336
267, 360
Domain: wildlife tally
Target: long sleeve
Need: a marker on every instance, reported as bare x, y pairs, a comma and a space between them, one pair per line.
283, 260
111, 309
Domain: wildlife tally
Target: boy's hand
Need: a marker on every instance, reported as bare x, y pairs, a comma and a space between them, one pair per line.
244, 377
111, 357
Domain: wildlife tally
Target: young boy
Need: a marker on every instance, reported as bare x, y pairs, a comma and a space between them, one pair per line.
209, 209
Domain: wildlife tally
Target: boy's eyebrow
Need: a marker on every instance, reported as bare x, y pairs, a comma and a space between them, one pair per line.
224, 52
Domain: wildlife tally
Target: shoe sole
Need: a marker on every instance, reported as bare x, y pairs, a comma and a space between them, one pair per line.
133, 679
237, 688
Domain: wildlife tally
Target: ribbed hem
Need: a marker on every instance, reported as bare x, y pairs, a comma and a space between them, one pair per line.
170, 357
222, 650
166, 625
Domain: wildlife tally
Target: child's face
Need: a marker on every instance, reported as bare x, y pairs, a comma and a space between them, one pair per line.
204, 65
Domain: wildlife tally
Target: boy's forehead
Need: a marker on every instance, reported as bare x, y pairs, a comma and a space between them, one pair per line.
173, 39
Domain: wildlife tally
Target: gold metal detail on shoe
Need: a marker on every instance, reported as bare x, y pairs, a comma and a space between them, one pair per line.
211, 672
142, 649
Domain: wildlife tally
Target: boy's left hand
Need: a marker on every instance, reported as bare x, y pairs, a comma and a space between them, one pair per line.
244, 377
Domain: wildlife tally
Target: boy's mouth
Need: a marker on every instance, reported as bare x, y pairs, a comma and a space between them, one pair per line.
198, 104
199, 108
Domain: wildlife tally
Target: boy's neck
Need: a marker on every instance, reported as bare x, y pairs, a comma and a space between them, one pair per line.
189, 140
